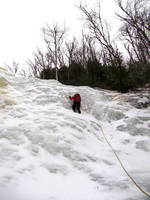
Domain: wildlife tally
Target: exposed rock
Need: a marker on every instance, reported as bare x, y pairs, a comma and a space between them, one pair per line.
140, 98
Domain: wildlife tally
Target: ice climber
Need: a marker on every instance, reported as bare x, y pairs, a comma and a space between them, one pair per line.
76, 102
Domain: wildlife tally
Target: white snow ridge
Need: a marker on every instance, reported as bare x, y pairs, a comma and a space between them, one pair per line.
48, 152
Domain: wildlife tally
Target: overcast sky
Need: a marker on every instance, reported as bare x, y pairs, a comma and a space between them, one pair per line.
21, 22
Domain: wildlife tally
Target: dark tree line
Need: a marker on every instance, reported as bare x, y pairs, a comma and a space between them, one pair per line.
95, 60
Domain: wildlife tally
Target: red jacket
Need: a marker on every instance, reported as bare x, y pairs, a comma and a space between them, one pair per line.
76, 97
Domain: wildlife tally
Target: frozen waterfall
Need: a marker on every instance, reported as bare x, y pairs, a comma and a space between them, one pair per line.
48, 152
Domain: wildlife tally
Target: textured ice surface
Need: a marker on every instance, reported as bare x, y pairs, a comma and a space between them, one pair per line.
47, 152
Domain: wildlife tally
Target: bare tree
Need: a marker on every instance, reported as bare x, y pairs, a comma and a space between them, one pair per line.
71, 46
40, 62
88, 49
54, 38
91, 48
100, 31
13, 68
136, 28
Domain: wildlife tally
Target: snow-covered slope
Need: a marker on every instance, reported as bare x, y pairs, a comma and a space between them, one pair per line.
47, 152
